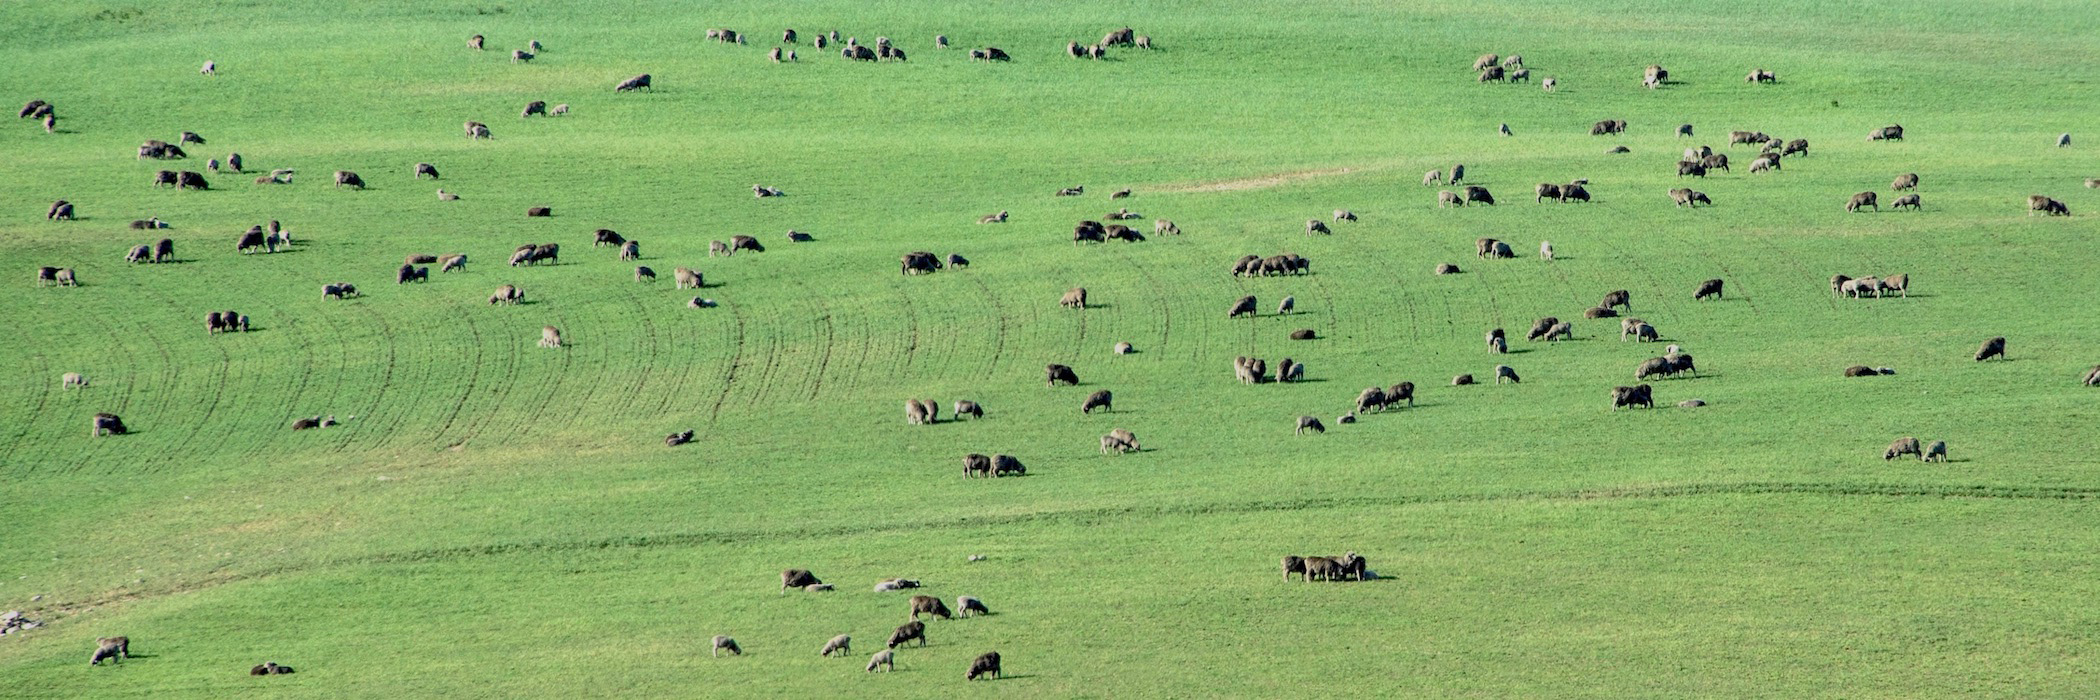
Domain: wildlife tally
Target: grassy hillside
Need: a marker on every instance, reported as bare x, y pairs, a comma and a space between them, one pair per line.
497, 519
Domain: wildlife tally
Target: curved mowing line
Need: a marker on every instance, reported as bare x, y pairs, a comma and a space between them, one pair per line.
386, 383
473, 376
1095, 515
43, 396
736, 357
991, 369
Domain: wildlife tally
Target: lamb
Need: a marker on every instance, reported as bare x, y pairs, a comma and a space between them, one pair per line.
1686, 197
1310, 423
426, 169
724, 643
1902, 446
1935, 452
550, 337
970, 605
886, 659
71, 380
1505, 372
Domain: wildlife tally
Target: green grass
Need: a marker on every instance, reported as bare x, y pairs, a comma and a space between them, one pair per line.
500, 520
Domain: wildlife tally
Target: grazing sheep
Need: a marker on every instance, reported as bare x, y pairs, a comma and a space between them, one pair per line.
139, 253
345, 178
164, 177
1446, 198
1709, 288
1485, 61
1372, 399
986, 664
1493, 74
1896, 283
1123, 349
976, 464
1502, 251
520, 55
1545, 191
411, 273
1892, 132
797, 578
1110, 443
539, 212
550, 337
1689, 197
1540, 328
968, 408
886, 659
1760, 75
639, 82
60, 210
538, 107
1288, 305
1863, 199
109, 423
1074, 298
1458, 173
1313, 226
1902, 446
929, 605
1686, 167
191, 180
2063, 140
1310, 423
1293, 564
1607, 127
2045, 205
957, 260
1994, 347
631, 250
686, 278
427, 169
1935, 452
1906, 181
1908, 200
1061, 373
1548, 84
1654, 366
1616, 298
907, 632
724, 643
1243, 307
841, 645
112, 648
1433, 177
1630, 396
164, 250
1102, 399
1163, 227
2092, 377
1479, 194
1505, 372
71, 380
915, 413
1341, 215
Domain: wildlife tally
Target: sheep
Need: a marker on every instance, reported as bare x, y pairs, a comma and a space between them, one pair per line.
1485, 61
1694, 169
521, 56
1545, 191
1458, 173
639, 82
1313, 226
686, 278
1123, 349
1548, 84
2092, 377
1502, 251
34, 108
550, 337
506, 294
1936, 451
112, 648
2045, 205
72, 380
108, 423
1493, 74
1164, 227
1908, 200
1654, 366
1895, 283
1540, 327
427, 169
1709, 288
1243, 307
1689, 197
1906, 181
1616, 298
345, 178
139, 253
1074, 298
1310, 423
1892, 132
1479, 194
1995, 347
1902, 446
1446, 198
1003, 465
1630, 396
886, 659
1433, 177
986, 664
1546, 250
191, 180
411, 273
1371, 399
1760, 75
1293, 564
907, 632
929, 605
1103, 399
976, 464
1655, 75
1607, 127
724, 643
1505, 372
1110, 443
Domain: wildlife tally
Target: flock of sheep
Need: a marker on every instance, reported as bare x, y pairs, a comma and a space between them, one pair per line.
1490, 68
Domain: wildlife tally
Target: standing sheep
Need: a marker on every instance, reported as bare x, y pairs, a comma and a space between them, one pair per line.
841, 645
1074, 298
1243, 307
1902, 446
550, 337
1505, 372
907, 632
986, 664
1935, 452
886, 659
1102, 399
724, 643
1994, 347
1310, 423
969, 605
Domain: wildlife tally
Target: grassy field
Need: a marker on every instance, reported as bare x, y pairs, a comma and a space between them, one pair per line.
495, 519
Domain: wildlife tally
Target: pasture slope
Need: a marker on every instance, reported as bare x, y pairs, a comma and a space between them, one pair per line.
499, 520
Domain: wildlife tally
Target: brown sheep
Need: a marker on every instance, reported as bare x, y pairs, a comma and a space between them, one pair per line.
1060, 373
191, 180
631, 250
1892, 132
1994, 347
1908, 200
1709, 288
1902, 446
986, 664
1446, 198
1102, 399
724, 643
1935, 452
1492, 74
1244, 307
1545, 191
1313, 226
1404, 391
1717, 161
1371, 399
976, 464
1686, 167
537, 212
968, 408
1074, 298
1447, 269
1617, 298
345, 178
1863, 199
1293, 564
1476, 193
411, 273
2045, 205
1462, 380
639, 82
113, 648
1795, 146
1654, 366
686, 278
1630, 396
908, 631
108, 423
1896, 283
642, 273
1003, 465
1485, 61
797, 578
1906, 181
1574, 192
550, 337
1310, 423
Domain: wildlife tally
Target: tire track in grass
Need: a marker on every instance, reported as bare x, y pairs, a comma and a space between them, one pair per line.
736, 360
501, 385
466, 320
999, 337
36, 378
211, 407
1795, 262
386, 383
1166, 313
560, 372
